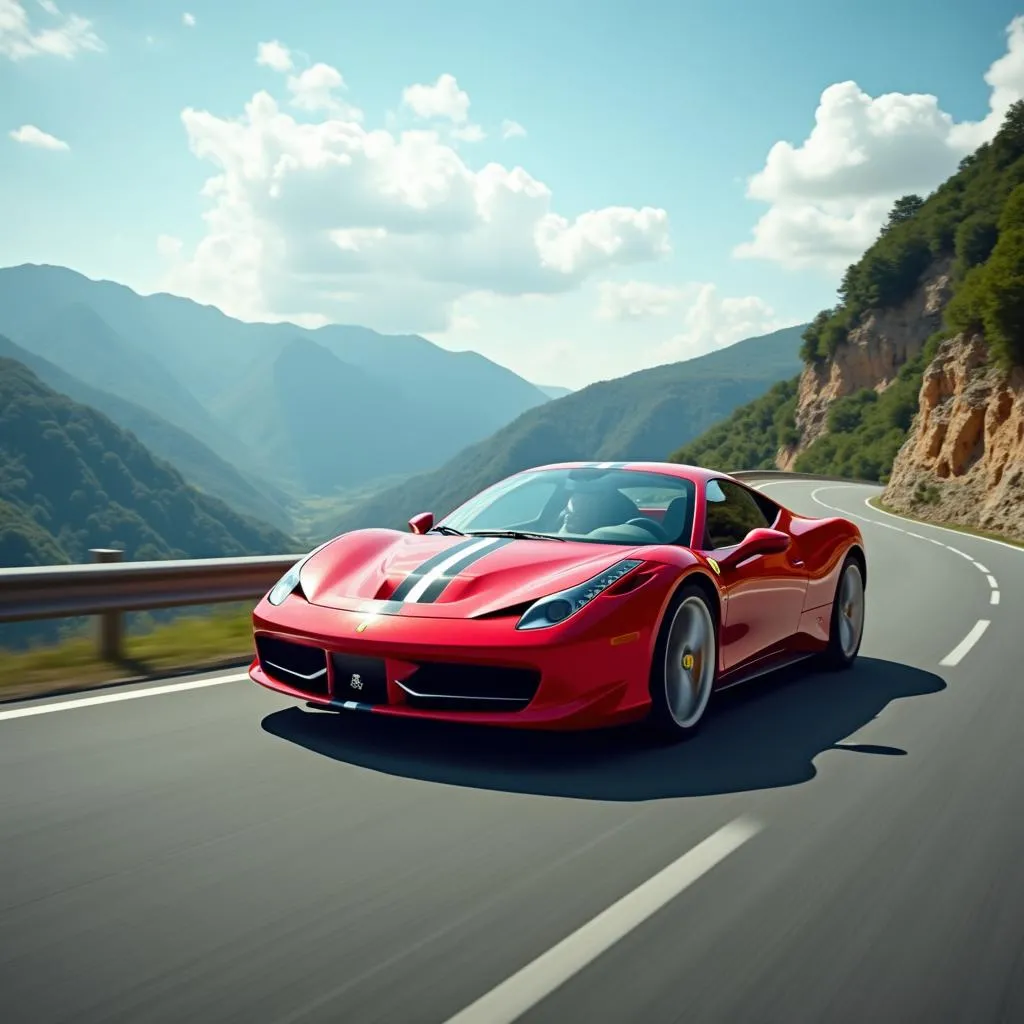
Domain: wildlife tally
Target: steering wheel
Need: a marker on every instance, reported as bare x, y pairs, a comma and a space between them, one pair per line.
652, 526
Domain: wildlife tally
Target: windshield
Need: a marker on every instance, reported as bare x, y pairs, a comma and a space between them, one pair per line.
607, 506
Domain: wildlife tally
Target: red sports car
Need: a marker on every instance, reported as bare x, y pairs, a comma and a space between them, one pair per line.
568, 596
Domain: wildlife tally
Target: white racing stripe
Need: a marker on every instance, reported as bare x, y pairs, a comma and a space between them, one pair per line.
113, 698
527, 987
439, 570
958, 653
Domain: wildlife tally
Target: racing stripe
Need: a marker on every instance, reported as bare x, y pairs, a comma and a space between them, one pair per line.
466, 553
403, 588
437, 586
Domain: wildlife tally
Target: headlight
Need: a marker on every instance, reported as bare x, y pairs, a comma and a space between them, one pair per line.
290, 580
286, 584
556, 608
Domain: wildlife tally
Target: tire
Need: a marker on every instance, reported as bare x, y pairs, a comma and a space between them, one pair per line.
680, 695
846, 626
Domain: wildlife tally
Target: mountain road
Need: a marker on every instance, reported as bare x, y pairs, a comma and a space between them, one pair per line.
841, 847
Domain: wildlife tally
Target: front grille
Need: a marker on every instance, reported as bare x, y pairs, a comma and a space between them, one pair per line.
297, 665
453, 687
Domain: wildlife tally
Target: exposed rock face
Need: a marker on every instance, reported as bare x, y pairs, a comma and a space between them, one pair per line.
872, 357
963, 461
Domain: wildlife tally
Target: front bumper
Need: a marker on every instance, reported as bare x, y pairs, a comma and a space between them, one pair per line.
483, 672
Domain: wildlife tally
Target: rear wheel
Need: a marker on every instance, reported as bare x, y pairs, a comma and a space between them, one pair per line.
846, 629
685, 665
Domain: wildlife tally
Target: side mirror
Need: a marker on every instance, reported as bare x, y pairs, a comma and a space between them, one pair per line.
757, 542
421, 523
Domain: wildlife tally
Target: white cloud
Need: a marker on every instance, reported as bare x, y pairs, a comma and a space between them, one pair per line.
636, 300
274, 56
707, 320
188, 20
327, 218
711, 322
829, 196
65, 36
443, 99
314, 89
168, 246
30, 135
469, 133
512, 129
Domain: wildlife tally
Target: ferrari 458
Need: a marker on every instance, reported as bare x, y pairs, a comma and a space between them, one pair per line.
568, 596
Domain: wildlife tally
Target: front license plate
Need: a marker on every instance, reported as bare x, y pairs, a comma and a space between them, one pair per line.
359, 679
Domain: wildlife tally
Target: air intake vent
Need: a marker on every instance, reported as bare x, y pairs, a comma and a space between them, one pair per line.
297, 665
456, 687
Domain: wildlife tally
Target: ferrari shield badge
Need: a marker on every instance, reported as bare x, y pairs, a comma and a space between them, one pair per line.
688, 662
362, 627
715, 567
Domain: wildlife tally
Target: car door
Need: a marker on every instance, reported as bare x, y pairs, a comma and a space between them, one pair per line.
764, 597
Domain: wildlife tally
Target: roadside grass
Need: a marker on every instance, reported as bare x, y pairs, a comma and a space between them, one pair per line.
223, 636
969, 530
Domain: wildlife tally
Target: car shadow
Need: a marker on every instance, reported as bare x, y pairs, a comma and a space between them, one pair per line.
762, 735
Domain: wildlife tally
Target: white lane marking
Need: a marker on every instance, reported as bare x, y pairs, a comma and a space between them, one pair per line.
527, 987
956, 655
995, 597
439, 570
113, 698
980, 567
992, 582
946, 529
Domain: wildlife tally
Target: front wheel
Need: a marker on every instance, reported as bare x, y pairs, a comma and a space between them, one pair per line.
685, 665
846, 629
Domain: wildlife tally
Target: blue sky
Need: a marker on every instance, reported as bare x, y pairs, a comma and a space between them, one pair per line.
669, 108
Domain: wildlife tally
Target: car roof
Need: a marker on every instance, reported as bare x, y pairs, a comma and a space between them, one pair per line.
698, 474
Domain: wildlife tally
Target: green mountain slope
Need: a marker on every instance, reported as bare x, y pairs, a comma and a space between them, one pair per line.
84, 482
200, 466
749, 438
638, 417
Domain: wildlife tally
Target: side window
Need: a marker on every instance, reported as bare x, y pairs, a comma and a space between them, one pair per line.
731, 514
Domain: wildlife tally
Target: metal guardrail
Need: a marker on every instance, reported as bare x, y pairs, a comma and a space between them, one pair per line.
110, 587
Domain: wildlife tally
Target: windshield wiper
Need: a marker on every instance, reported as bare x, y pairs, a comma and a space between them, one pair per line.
517, 534
448, 531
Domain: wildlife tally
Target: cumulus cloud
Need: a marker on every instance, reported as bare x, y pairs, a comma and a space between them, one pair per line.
30, 135
58, 36
325, 218
829, 195
636, 300
443, 99
706, 319
274, 56
512, 129
188, 20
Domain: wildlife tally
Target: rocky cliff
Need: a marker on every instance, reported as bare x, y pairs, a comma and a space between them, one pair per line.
963, 461
871, 357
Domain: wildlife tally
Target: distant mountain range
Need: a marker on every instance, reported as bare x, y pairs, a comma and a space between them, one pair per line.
645, 415
166, 428
296, 412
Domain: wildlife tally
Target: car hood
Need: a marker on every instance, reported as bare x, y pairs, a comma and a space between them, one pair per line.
437, 576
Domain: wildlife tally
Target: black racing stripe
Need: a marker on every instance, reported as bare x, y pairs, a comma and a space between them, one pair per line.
420, 571
438, 587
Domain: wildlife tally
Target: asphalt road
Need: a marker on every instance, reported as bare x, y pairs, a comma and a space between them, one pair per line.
841, 848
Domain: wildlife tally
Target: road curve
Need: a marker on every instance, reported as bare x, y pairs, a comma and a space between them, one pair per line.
833, 848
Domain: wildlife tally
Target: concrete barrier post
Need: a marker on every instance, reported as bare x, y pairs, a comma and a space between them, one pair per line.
109, 625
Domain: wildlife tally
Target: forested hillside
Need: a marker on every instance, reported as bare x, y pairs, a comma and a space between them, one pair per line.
70, 479
973, 224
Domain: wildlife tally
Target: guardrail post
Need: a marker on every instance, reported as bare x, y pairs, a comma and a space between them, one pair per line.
109, 625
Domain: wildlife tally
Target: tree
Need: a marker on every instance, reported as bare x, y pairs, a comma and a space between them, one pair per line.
905, 208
